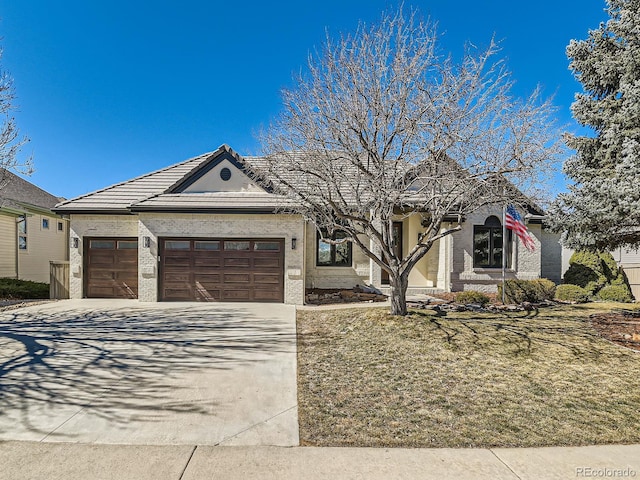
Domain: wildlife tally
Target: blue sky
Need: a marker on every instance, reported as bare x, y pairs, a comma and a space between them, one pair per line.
109, 90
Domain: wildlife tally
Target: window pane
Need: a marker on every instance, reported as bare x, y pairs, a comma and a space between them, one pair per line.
236, 245
324, 253
273, 246
481, 237
22, 243
60, 226
177, 245
207, 245
45, 223
22, 225
343, 254
103, 244
127, 244
496, 254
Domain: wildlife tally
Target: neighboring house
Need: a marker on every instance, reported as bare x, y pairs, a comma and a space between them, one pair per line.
31, 235
629, 260
205, 229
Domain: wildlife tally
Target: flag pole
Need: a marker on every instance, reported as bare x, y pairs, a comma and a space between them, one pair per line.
504, 249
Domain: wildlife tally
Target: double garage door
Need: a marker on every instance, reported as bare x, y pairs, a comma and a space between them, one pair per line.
202, 269
227, 270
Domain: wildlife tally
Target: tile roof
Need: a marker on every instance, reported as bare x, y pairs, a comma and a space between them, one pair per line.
119, 197
16, 191
210, 201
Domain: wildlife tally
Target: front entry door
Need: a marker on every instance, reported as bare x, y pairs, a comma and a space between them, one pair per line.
397, 246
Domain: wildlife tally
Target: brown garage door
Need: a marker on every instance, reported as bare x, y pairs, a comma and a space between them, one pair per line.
227, 270
111, 267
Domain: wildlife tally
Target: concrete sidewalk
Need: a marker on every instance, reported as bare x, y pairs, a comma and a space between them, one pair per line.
71, 461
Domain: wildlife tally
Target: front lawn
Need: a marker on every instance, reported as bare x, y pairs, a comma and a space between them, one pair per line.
366, 378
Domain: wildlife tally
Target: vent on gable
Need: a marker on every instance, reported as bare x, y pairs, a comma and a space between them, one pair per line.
225, 174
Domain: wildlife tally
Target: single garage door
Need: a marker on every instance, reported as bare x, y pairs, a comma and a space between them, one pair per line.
227, 270
111, 267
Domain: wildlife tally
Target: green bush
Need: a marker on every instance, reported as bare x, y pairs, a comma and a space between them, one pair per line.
471, 296
533, 291
593, 270
13, 289
615, 293
571, 293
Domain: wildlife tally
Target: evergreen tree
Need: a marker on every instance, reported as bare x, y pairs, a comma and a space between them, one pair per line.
602, 208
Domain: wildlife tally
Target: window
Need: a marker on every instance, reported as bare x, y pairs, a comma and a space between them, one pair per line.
487, 244
60, 227
206, 245
177, 245
271, 246
45, 224
236, 245
102, 244
22, 232
329, 255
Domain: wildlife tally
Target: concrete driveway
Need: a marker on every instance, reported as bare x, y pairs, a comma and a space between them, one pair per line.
123, 372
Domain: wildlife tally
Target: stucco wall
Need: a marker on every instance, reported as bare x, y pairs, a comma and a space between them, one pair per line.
525, 265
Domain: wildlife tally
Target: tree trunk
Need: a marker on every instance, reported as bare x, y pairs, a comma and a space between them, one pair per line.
398, 284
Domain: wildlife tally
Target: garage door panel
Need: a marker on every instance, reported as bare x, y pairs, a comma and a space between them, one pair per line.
266, 295
237, 278
206, 262
272, 279
222, 269
267, 262
177, 293
236, 295
237, 262
176, 260
208, 278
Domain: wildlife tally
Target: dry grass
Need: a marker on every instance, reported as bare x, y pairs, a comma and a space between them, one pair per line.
464, 380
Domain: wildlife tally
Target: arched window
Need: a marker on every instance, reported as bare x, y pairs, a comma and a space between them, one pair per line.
487, 244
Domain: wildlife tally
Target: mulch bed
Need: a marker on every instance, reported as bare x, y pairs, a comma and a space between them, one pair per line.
622, 328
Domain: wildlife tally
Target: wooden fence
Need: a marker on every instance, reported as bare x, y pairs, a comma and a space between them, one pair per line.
633, 274
58, 280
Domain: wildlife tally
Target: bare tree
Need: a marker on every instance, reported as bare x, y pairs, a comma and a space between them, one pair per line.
382, 126
11, 142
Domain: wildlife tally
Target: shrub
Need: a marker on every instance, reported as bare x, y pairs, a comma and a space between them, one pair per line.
22, 289
593, 270
471, 296
534, 291
571, 293
615, 293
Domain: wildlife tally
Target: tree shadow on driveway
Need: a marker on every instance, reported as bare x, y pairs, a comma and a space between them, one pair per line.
125, 362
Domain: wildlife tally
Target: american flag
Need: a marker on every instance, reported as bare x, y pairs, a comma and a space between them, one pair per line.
513, 221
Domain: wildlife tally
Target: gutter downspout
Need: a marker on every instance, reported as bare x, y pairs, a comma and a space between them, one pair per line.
16, 243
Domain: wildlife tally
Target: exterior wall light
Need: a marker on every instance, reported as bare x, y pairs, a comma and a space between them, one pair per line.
294, 242
75, 241
146, 242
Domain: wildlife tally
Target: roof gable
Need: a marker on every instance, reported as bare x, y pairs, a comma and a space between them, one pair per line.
224, 172
194, 176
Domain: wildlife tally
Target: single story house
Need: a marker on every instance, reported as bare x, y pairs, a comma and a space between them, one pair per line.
31, 235
205, 229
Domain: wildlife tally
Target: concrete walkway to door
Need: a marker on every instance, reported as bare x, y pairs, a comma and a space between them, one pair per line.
120, 371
